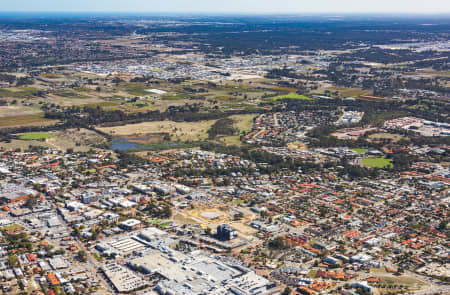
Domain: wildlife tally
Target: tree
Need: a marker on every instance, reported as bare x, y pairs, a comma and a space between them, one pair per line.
82, 256
21, 284
443, 224
167, 212
13, 260
277, 244
238, 216
31, 201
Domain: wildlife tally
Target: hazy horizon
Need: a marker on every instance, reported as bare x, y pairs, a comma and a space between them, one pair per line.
230, 7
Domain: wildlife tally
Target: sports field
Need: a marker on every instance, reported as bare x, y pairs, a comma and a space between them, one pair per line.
377, 162
292, 95
360, 151
35, 136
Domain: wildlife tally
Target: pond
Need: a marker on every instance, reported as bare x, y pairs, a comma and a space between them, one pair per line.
126, 144
122, 144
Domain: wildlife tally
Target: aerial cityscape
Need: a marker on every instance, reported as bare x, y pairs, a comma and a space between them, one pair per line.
253, 154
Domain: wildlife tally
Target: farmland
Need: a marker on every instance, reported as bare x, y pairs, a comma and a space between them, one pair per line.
25, 120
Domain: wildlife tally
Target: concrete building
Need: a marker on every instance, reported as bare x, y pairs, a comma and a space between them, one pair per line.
226, 232
123, 279
130, 224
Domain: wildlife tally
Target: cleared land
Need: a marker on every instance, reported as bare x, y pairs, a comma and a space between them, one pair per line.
23, 92
350, 92
381, 136
377, 162
78, 140
180, 131
223, 216
401, 280
11, 111
26, 120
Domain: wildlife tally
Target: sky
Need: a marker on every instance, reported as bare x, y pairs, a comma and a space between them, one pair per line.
230, 6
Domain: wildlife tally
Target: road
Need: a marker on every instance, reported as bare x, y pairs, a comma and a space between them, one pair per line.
90, 266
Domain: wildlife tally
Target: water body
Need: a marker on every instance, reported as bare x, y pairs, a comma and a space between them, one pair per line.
122, 144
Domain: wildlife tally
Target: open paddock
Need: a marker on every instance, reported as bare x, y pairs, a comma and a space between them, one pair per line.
26, 120
244, 124
389, 136
181, 131
78, 140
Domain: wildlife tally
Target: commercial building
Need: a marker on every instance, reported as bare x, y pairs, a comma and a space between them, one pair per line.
130, 224
123, 279
226, 232
12, 192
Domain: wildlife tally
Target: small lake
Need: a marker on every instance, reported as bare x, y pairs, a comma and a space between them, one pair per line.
122, 144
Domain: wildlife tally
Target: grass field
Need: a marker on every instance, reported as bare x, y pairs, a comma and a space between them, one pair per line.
350, 92
102, 104
35, 136
50, 75
26, 120
291, 95
78, 140
360, 151
377, 162
242, 122
381, 136
11, 227
70, 94
179, 131
134, 88
18, 110
175, 97
23, 92
401, 280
